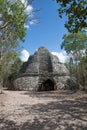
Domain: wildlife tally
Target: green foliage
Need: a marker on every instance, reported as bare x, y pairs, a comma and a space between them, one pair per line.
76, 10
12, 30
75, 44
71, 67
14, 70
83, 71
13, 18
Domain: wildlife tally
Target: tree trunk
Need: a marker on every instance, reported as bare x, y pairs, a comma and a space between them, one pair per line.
1, 86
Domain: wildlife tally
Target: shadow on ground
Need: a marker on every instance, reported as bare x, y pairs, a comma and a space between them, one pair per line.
55, 115
50, 94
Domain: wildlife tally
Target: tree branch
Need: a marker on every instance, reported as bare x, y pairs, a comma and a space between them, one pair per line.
4, 26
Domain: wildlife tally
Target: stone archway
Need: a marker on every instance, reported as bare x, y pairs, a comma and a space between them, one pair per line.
47, 85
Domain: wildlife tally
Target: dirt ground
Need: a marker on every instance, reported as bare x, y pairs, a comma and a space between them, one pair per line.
57, 110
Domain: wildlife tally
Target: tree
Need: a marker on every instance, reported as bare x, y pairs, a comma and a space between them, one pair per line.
70, 66
76, 10
83, 71
76, 45
13, 17
14, 70
12, 20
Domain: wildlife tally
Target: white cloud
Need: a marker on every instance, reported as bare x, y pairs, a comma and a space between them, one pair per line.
33, 21
26, 26
24, 2
29, 9
61, 55
24, 55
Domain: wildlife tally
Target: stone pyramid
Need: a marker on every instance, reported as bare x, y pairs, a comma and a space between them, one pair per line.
44, 72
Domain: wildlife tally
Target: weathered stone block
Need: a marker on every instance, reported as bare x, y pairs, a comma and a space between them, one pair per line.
43, 71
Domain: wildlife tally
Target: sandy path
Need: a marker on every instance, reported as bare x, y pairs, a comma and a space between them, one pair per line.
63, 110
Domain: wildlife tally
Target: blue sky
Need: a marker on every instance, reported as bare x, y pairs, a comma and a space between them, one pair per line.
49, 30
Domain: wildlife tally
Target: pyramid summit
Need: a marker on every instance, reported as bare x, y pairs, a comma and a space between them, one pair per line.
44, 72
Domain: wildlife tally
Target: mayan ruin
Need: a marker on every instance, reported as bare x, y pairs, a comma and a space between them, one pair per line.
44, 72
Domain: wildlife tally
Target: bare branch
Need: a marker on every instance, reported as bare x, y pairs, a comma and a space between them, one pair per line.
4, 26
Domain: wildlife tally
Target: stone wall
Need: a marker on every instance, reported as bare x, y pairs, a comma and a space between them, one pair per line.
26, 83
45, 63
59, 68
43, 68
65, 82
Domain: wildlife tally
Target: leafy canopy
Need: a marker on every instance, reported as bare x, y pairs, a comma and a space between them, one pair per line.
12, 29
75, 43
76, 10
12, 19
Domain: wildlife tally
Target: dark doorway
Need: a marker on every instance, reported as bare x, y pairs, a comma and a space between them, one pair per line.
48, 85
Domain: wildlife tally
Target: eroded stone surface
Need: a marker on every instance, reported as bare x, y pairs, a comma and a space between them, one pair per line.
44, 72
